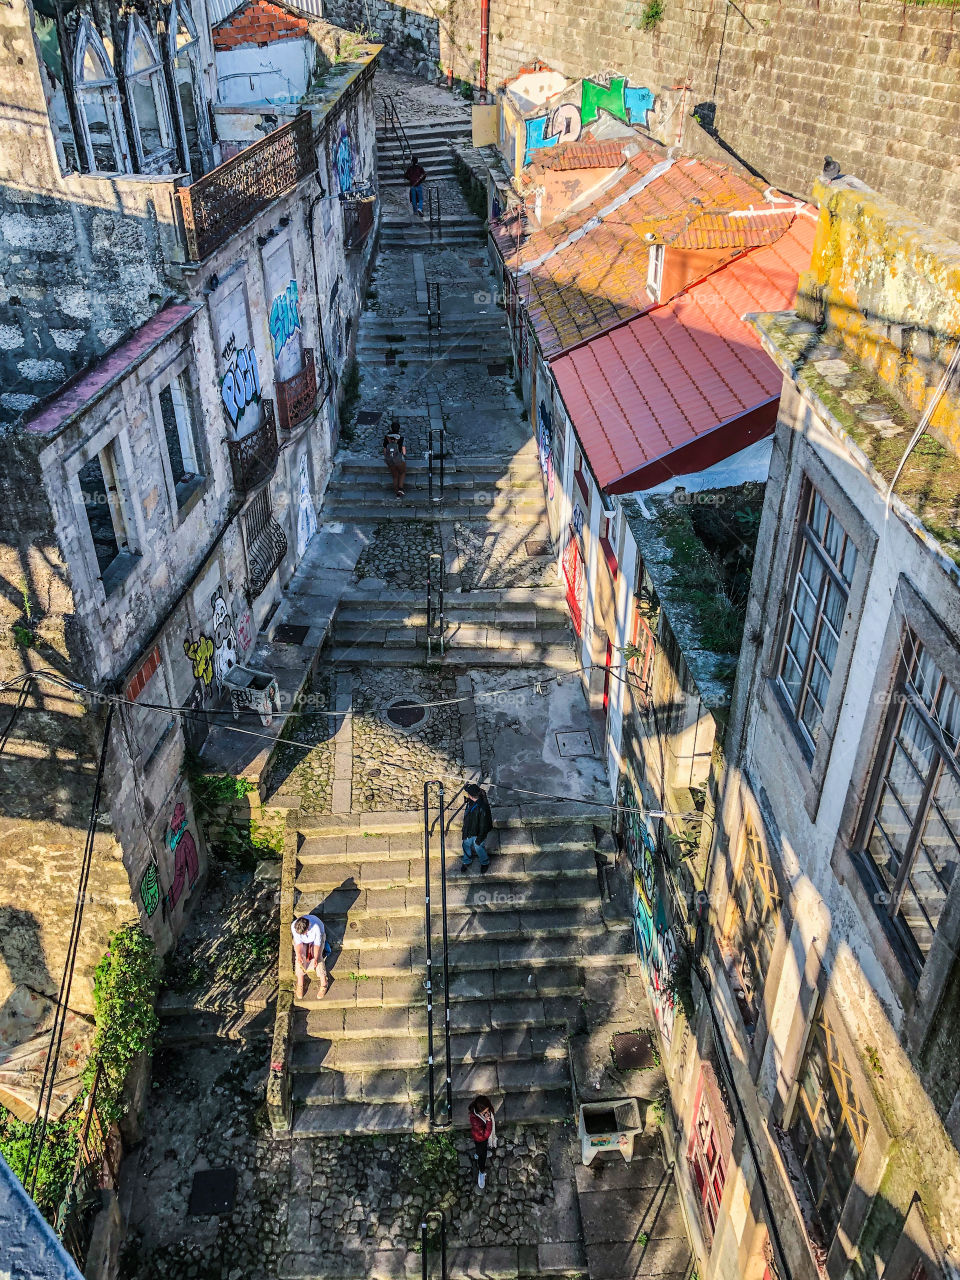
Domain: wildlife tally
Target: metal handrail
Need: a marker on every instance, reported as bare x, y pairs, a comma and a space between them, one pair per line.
434, 315
444, 937
436, 623
392, 121
433, 212
434, 457
425, 1244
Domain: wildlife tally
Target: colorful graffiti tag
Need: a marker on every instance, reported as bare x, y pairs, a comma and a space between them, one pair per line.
655, 939
186, 864
306, 512
567, 121
245, 631
150, 890
284, 317
343, 159
200, 653
545, 442
225, 641
241, 383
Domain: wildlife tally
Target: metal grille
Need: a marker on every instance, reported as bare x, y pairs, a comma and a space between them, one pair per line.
296, 396
253, 457
266, 543
224, 200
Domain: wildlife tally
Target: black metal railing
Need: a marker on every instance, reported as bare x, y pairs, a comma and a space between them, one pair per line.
99, 1150
266, 543
429, 984
224, 200
434, 315
434, 223
435, 472
429, 1239
254, 456
393, 124
436, 622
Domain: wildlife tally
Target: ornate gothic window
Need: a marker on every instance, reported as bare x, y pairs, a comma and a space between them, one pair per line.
98, 103
149, 108
190, 104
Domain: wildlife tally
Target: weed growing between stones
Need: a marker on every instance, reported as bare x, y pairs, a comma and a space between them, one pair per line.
124, 988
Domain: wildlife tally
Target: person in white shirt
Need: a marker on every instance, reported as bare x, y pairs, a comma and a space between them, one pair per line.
309, 950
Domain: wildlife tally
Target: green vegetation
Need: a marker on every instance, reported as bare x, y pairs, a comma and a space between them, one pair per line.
23, 635
58, 1155
124, 986
652, 14
473, 191
354, 44
642, 1239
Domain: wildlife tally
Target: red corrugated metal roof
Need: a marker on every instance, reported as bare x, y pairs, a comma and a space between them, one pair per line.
644, 396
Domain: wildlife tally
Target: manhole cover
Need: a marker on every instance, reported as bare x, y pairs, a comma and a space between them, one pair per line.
289, 633
631, 1051
534, 549
496, 370
367, 417
575, 744
213, 1193
406, 714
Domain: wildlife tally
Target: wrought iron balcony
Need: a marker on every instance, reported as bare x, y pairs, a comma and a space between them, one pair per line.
224, 200
254, 456
297, 395
266, 543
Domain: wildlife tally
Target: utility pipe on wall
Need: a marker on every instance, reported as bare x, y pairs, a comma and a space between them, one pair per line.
484, 43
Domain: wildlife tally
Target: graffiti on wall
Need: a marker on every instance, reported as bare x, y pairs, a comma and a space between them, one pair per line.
343, 159
284, 317
240, 386
545, 443
576, 520
200, 653
150, 890
225, 642
306, 512
186, 864
245, 631
566, 122
653, 932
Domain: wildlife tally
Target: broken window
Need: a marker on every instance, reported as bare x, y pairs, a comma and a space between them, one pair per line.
178, 429
98, 104
51, 56
148, 97
103, 501
706, 1161
190, 99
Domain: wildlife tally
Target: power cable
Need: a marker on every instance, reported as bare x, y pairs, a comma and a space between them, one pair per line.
21, 700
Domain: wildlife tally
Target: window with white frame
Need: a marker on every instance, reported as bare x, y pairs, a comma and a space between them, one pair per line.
105, 504
911, 837
190, 103
147, 96
98, 103
825, 561
655, 271
176, 414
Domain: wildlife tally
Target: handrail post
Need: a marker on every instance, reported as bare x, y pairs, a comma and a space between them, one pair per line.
443, 450
429, 981
446, 970
430, 464
423, 1248
443, 1247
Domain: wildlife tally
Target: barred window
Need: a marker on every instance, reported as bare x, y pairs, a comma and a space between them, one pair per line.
829, 1126
912, 835
825, 564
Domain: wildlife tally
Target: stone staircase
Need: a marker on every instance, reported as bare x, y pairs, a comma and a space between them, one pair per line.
465, 338
492, 489
521, 941
429, 141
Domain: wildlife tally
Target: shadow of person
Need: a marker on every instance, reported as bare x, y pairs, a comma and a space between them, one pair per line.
334, 910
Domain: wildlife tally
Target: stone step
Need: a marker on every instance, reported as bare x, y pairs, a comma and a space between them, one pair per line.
488, 894
455, 473
446, 352
207, 1027
379, 1083
544, 599
313, 1019
458, 635
378, 946
565, 1261
534, 815
556, 657
506, 496
417, 506
357, 1053
352, 1117
456, 613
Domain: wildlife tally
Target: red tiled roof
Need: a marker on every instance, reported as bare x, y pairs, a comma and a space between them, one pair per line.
588, 153
259, 22
576, 286
89, 387
535, 66
647, 398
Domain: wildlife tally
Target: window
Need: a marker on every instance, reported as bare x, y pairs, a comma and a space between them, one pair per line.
757, 903
642, 650
655, 271
147, 97
52, 70
706, 1161
579, 475
829, 1126
104, 505
606, 546
98, 104
826, 558
178, 429
189, 97
912, 835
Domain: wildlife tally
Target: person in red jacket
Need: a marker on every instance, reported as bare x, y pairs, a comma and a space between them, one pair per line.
414, 175
483, 1130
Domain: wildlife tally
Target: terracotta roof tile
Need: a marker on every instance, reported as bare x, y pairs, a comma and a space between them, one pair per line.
651, 390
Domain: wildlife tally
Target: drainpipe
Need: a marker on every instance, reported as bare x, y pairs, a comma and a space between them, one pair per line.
484, 42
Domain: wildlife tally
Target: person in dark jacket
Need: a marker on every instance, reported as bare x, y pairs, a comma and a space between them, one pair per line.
477, 825
415, 174
483, 1130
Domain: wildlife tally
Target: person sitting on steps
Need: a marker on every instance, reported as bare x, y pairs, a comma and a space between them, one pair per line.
310, 950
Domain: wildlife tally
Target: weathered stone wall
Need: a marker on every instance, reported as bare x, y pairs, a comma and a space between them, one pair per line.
873, 84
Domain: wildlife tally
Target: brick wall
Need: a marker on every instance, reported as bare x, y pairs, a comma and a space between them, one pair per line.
875, 83
258, 23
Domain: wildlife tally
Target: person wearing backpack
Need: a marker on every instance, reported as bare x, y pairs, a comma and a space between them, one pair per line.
477, 825
395, 456
415, 174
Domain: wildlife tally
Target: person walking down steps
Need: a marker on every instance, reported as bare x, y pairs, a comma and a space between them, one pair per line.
483, 1130
310, 950
415, 174
477, 825
395, 456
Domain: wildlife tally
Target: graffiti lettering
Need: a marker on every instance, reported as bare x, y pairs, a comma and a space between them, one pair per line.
306, 512
186, 864
343, 159
241, 383
655, 940
284, 317
567, 121
245, 631
545, 439
577, 519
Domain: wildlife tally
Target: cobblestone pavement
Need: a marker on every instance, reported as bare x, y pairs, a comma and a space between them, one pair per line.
498, 558
307, 772
390, 764
398, 553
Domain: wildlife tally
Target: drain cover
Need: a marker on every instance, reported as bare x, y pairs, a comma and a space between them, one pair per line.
575, 744
213, 1193
290, 633
406, 714
496, 370
534, 548
631, 1051
367, 417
